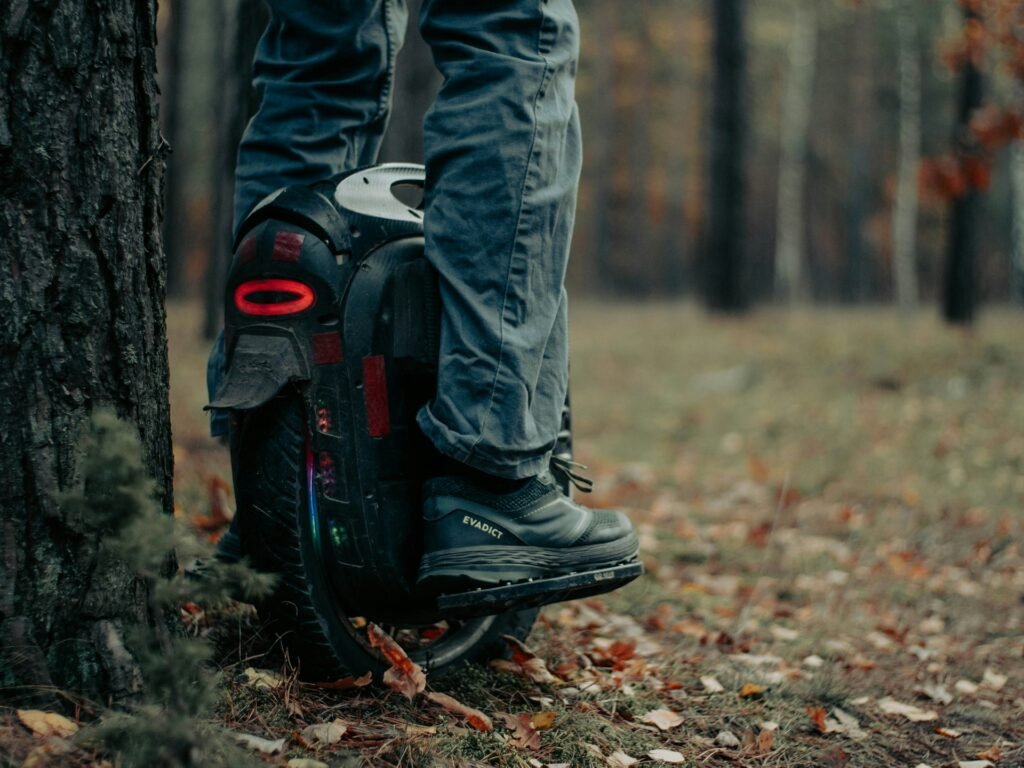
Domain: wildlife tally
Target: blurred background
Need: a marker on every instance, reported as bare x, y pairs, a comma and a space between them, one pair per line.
738, 153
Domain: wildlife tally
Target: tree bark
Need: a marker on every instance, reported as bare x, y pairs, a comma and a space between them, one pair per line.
796, 119
172, 112
723, 267
904, 225
959, 304
859, 283
81, 296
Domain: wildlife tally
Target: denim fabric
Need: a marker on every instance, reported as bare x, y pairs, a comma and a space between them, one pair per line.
503, 158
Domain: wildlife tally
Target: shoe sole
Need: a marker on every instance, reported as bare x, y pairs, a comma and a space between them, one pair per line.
469, 567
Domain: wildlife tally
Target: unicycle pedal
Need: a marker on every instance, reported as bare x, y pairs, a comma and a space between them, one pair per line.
537, 592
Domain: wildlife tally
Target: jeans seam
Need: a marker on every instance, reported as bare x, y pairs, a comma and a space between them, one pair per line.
515, 239
384, 101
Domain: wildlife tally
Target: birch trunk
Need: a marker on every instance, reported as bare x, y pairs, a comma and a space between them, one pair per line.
796, 117
904, 224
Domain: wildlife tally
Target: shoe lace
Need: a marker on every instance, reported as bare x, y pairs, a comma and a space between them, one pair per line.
567, 470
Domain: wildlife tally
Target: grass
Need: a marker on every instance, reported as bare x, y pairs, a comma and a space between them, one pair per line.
839, 485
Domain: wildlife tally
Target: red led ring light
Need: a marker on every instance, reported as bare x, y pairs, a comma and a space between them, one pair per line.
304, 297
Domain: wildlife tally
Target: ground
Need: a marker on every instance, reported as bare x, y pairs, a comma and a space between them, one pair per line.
831, 518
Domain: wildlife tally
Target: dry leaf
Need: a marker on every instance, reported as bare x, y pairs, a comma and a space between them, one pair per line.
818, 717
403, 676
346, 683
524, 735
975, 764
993, 753
750, 690
542, 721
531, 665
46, 724
949, 733
915, 714
619, 759
846, 723
474, 717
711, 685
667, 756
258, 743
966, 686
305, 762
263, 678
663, 719
325, 733
993, 680
937, 693
727, 739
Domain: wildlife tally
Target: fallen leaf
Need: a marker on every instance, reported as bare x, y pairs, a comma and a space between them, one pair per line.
750, 690
46, 724
663, 719
993, 680
727, 739
325, 733
975, 764
619, 759
305, 762
892, 707
412, 729
404, 676
542, 721
966, 686
993, 753
949, 733
846, 723
531, 665
474, 717
524, 734
667, 756
263, 678
711, 685
818, 717
258, 743
937, 693
346, 683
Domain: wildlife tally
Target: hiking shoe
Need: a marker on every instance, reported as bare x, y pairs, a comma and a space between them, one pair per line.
477, 538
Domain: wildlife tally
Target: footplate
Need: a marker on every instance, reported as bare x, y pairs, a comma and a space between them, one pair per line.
533, 594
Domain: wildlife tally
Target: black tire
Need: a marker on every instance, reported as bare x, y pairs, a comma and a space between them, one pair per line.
269, 448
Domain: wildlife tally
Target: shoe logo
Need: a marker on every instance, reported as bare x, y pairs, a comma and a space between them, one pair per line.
481, 526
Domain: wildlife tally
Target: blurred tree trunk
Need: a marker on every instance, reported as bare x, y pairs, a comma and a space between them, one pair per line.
173, 111
673, 225
1017, 214
723, 257
858, 262
600, 140
643, 276
242, 23
959, 299
416, 84
904, 225
82, 297
796, 118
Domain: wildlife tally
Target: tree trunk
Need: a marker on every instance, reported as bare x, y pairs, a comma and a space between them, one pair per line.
416, 84
81, 298
172, 112
796, 118
858, 193
904, 225
1017, 214
723, 267
960, 286
243, 24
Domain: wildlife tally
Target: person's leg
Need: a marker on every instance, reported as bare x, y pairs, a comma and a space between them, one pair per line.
503, 159
323, 72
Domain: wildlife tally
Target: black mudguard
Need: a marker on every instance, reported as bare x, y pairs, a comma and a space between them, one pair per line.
262, 365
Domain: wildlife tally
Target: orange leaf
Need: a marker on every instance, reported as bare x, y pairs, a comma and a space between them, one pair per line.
750, 690
993, 753
346, 683
474, 717
817, 715
404, 676
524, 734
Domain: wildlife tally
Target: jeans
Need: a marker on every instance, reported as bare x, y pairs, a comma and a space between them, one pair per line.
502, 145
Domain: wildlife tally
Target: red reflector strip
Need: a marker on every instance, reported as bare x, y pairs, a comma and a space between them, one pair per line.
327, 348
304, 297
248, 250
287, 246
375, 391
